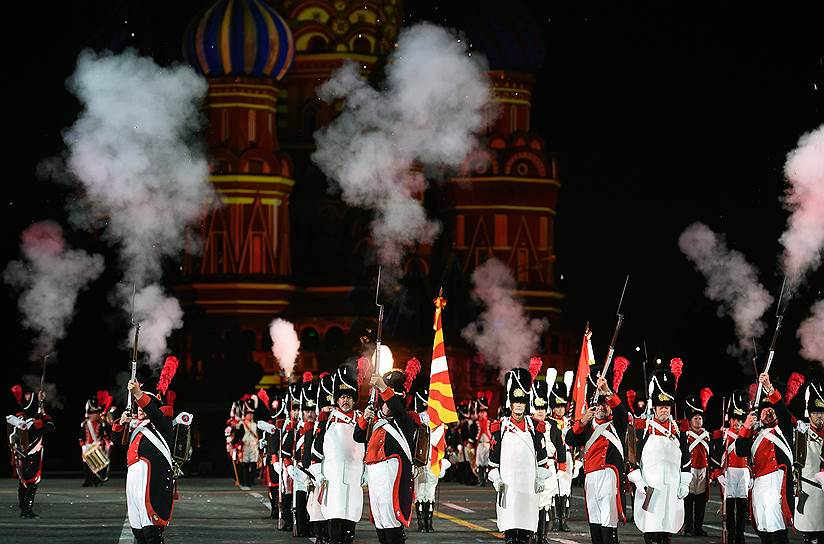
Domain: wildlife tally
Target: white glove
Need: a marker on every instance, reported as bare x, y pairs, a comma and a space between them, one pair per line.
819, 477
684, 485
316, 470
266, 427
637, 478
802, 427
576, 468
444, 467
290, 471
495, 477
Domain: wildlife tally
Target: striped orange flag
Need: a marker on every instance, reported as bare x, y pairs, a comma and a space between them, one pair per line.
579, 390
441, 409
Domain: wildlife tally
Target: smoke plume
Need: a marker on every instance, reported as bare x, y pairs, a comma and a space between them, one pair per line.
50, 277
804, 238
502, 333
811, 334
158, 315
285, 344
731, 281
433, 104
135, 152
53, 398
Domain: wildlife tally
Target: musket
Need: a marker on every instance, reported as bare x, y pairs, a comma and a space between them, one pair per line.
723, 510
42, 384
611, 351
125, 438
281, 479
779, 315
373, 394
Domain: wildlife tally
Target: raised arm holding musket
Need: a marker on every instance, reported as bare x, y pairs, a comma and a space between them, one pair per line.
598, 435
767, 437
388, 460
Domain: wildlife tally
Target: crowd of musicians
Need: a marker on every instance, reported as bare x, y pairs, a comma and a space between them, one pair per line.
315, 451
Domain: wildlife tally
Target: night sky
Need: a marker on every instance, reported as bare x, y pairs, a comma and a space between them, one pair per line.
662, 116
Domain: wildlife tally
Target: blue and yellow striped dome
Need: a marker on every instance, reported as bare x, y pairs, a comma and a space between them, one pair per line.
239, 38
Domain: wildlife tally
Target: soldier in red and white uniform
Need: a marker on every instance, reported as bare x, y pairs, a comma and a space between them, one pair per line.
150, 479
566, 469
698, 442
483, 438
809, 508
95, 431
389, 467
338, 459
767, 437
663, 477
599, 434
732, 470
293, 450
519, 462
28, 428
271, 440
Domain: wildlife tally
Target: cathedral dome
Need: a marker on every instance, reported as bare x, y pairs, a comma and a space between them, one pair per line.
239, 38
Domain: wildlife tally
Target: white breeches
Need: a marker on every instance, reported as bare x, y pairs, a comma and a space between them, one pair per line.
137, 478
601, 490
381, 477
766, 502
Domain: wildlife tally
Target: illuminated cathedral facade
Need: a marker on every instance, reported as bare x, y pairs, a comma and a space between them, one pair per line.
278, 244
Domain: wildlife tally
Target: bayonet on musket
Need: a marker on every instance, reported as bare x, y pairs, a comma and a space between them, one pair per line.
125, 439
620, 322
779, 317
373, 394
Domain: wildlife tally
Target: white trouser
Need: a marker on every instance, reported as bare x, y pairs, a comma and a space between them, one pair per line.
698, 483
381, 477
766, 502
601, 490
136, 483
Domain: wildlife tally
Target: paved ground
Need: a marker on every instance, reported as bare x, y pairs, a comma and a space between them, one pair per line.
214, 511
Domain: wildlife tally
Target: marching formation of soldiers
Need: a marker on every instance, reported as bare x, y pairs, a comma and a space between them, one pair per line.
315, 451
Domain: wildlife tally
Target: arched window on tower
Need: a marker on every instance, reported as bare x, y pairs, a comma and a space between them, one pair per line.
362, 45
309, 339
317, 43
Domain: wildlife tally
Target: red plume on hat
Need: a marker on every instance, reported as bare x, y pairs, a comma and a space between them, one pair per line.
170, 398
17, 391
307, 377
264, 396
323, 375
705, 394
535, 364
413, 366
618, 368
104, 400
166, 375
363, 369
631, 398
676, 367
794, 385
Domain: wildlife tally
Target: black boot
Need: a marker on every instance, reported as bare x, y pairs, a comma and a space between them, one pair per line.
21, 498
381, 536
395, 535
650, 538
689, 523
700, 509
741, 514
543, 515
138, 536
153, 534
429, 511
419, 515
28, 502
779, 537
563, 513
273, 502
286, 513
609, 535
596, 534
511, 536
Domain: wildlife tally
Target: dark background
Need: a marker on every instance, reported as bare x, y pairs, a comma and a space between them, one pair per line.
662, 116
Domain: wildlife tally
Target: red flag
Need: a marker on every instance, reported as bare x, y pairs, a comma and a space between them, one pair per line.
579, 386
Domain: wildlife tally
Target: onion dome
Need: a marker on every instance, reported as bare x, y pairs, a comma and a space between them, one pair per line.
510, 37
239, 38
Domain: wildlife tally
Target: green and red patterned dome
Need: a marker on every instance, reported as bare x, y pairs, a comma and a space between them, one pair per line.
239, 38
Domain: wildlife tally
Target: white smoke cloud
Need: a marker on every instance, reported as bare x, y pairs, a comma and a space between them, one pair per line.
50, 276
804, 238
433, 104
135, 151
158, 315
502, 333
811, 334
285, 344
53, 397
731, 281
